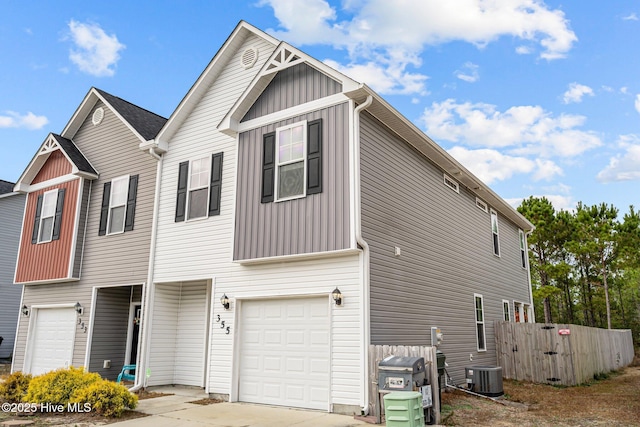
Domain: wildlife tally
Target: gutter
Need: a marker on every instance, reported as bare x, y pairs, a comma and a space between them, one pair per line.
366, 336
144, 343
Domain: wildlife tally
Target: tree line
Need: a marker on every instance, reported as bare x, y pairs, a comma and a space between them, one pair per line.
585, 264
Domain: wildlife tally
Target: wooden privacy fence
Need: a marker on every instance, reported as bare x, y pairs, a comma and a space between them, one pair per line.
379, 352
560, 354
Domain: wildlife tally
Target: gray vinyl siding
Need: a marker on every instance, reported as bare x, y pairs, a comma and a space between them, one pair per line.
316, 223
290, 87
82, 222
11, 211
110, 324
120, 259
446, 253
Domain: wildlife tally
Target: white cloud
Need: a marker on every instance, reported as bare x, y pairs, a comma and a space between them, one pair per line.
637, 103
630, 17
546, 170
28, 121
524, 130
624, 90
387, 79
469, 72
95, 52
624, 166
575, 93
490, 165
374, 29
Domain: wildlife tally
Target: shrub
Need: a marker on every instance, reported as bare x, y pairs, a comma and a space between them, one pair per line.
106, 398
57, 387
15, 387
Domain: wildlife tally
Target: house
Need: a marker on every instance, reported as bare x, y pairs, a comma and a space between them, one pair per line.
11, 209
302, 218
86, 232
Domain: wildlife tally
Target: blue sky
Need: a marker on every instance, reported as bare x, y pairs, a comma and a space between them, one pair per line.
536, 98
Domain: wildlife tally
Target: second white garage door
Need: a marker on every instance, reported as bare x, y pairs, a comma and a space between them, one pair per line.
284, 354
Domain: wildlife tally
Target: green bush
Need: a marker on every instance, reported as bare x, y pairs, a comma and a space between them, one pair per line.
57, 387
106, 398
14, 387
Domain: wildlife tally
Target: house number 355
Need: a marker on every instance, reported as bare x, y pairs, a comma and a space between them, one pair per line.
227, 329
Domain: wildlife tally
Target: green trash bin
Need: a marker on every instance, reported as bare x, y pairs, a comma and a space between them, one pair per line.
404, 409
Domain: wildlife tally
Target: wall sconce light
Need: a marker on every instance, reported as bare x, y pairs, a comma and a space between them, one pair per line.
78, 308
337, 296
225, 301
25, 311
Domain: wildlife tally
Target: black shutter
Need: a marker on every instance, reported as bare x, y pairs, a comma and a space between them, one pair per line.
131, 203
57, 222
104, 210
215, 188
314, 157
181, 200
268, 166
36, 221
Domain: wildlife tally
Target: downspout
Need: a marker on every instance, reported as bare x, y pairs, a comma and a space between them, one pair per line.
532, 317
143, 347
366, 336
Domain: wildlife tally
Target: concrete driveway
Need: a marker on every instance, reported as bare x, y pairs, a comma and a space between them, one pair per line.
175, 410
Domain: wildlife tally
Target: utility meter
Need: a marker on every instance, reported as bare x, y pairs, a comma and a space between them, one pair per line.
436, 336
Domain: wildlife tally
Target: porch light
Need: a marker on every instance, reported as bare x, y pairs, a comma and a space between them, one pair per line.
225, 301
78, 308
25, 310
337, 296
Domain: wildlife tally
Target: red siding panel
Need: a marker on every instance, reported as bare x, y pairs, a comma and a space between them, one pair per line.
48, 261
55, 166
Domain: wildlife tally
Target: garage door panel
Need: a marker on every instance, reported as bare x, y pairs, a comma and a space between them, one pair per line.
52, 344
289, 364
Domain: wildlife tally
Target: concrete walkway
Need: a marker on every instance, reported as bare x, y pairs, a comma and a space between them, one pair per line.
176, 410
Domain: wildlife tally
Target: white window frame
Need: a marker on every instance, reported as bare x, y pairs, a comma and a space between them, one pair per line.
482, 205
45, 195
523, 249
112, 206
277, 197
200, 187
495, 235
506, 314
451, 183
480, 322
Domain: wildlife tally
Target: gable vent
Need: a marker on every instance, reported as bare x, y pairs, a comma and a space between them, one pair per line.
98, 115
249, 57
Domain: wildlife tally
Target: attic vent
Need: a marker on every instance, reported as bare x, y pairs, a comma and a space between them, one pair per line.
449, 182
249, 57
98, 115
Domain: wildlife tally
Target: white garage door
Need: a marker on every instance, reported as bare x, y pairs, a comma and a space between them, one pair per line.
51, 343
284, 355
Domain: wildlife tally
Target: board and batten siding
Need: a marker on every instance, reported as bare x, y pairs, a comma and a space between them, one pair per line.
297, 279
11, 211
290, 87
446, 253
315, 223
110, 325
55, 166
198, 249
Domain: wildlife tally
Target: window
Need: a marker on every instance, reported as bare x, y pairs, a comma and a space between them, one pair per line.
506, 311
48, 218
118, 207
449, 182
292, 161
480, 322
480, 204
523, 249
199, 188
494, 232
